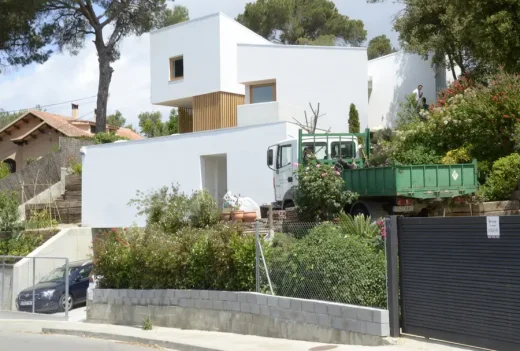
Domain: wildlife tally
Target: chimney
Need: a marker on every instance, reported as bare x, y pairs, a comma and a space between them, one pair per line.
75, 111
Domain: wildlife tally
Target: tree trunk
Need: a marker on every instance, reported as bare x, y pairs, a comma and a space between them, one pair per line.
105, 77
452, 67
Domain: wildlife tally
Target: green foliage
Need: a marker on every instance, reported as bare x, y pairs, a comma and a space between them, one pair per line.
5, 170
216, 258
359, 226
503, 179
9, 215
302, 22
481, 118
116, 119
21, 41
516, 137
147, 324
8, 117
107, 138
379, 46
75, 167
167, 210
419, 155
170, 17
329, 265
170, 210
353, 119
40, 219
152, 126
320, 194
204, 210
20, 244
453, 157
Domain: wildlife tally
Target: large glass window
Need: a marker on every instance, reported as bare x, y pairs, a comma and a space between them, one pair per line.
263, 93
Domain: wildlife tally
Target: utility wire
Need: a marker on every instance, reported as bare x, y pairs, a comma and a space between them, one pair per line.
58, 103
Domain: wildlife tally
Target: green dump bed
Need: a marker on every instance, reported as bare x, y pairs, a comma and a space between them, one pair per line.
419, 182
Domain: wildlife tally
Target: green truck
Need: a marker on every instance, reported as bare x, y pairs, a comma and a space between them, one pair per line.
400, 189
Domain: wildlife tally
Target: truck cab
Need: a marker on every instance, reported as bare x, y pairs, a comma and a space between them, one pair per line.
284, 157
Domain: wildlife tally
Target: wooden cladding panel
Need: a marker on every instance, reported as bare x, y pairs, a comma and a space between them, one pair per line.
215, 111
185, 120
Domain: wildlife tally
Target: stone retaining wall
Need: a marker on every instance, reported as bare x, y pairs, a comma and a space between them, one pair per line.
242, 313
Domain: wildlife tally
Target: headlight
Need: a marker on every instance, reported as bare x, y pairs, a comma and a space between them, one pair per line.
48, 293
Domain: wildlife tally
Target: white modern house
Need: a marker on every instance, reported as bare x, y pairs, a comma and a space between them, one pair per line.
237, 94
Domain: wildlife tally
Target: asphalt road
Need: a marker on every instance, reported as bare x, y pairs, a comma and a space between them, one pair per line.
41, 342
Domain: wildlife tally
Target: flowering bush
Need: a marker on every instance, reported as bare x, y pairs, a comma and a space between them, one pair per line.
457, 87
320, 194
480, 118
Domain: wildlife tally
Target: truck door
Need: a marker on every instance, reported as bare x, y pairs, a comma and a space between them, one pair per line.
284, 178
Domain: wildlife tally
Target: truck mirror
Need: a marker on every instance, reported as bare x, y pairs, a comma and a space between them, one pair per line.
270, 158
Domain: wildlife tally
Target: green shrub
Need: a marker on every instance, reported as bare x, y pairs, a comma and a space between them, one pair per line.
40, 219
216, 258
5, 170
9, 215
419, 155
204, 210
329, 265
453, 157
320, 193
107, 138
168, 210
20, 244
503, 179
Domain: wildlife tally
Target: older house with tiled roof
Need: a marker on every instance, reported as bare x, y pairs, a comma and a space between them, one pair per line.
36, 134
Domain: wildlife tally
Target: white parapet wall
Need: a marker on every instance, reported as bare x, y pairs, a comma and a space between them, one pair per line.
72, 243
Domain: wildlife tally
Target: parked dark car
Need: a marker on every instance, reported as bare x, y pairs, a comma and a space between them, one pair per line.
50, 291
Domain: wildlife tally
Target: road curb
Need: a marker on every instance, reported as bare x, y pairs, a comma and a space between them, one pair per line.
127, 338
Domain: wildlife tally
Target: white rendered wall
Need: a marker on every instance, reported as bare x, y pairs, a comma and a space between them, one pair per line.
233, 33
333, 76
209, 47
112, 173
267, 112
72, 243
393, 77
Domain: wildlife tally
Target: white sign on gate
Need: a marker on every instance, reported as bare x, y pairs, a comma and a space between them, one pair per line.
493, 227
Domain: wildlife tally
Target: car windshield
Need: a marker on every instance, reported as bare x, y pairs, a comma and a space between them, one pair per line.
57, 274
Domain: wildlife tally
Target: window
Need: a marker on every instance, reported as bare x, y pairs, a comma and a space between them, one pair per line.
318, 149
347, 149
284, 156
84, 272
93, 129
176, 68
262, 93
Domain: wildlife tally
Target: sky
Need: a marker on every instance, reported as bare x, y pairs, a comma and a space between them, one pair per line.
65, 77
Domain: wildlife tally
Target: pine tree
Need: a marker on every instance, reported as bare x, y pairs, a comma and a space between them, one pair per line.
353, 119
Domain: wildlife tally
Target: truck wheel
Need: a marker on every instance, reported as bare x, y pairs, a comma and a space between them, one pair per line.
359, 209
288, 204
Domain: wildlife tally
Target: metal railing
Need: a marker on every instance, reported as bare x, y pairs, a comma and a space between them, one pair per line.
17, 259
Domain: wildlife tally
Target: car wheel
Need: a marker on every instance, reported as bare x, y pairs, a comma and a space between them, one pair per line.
64, 302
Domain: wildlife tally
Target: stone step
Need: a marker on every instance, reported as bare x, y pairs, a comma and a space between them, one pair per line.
72, 195
73, 183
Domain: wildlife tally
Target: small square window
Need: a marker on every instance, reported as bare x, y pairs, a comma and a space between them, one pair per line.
176, 68
93, 129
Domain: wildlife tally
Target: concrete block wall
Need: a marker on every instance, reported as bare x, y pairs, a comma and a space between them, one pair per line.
243, 313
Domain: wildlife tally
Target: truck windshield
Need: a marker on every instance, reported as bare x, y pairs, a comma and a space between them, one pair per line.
347, 149
318, 149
